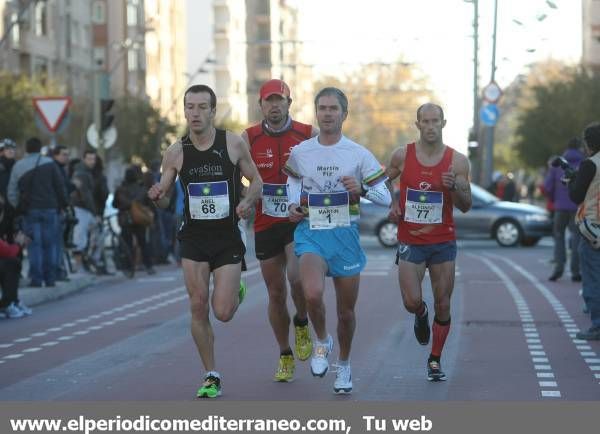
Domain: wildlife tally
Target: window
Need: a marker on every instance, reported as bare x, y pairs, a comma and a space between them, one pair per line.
132, 13
41, 17
99, 12
132, 60
16, 30
40, 67
99, 56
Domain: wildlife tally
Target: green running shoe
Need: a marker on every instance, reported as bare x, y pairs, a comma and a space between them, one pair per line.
242, 293
211, 388
303, 342
285, 370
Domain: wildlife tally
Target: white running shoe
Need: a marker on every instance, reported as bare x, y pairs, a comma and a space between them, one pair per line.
319, 363
343, 379
12, 311
24, 308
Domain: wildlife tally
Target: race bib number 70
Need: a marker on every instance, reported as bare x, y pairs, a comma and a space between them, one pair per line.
275, 200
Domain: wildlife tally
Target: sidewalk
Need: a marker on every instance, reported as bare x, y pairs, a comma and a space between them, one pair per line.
77, 282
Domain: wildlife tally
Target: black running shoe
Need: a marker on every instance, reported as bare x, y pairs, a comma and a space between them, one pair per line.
422, 330
434, 371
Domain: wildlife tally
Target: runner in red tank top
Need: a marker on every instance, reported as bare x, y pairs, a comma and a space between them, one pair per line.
433, 179
270, 144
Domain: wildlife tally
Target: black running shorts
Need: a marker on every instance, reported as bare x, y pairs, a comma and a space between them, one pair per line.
272, 241
218, 248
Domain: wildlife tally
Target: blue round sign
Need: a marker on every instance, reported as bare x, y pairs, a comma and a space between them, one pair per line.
489, 114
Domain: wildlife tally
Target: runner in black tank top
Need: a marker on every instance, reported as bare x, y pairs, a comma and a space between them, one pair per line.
212, 179
210, 164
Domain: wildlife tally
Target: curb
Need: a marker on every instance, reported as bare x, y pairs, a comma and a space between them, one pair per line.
35, 296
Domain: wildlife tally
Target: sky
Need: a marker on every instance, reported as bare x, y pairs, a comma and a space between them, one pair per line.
435, 35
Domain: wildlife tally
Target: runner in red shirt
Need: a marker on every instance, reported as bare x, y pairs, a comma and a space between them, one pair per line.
433, 179
270, 144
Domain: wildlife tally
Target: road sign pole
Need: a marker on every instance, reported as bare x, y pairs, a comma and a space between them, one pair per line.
488, 167
97, 109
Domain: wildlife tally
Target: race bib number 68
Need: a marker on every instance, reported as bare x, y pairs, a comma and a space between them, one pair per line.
209, 200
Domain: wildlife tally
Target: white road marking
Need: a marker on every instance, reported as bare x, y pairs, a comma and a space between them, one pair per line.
530, 332
562, 313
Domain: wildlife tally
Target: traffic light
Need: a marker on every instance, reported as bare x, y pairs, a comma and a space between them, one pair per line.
106, 118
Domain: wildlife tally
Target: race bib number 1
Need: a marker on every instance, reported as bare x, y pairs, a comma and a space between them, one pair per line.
209, 200
424, 207
328, 210
275, 200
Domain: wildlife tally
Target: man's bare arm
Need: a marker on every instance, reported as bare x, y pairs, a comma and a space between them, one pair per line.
461, 194
171, 164
241, 156
393, 171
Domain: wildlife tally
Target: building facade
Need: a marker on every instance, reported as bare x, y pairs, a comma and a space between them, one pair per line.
49, 40
256, 40
591, 34
230, 69
274, 51
166, 56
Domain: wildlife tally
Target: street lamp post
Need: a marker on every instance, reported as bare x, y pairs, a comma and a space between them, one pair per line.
474, 133
488, 166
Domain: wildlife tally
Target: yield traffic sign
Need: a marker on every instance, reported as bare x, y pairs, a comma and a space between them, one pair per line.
52, 110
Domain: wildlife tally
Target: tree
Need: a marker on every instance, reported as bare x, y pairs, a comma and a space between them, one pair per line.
16, 106
142, 132
383, 99
559, 110
519, 97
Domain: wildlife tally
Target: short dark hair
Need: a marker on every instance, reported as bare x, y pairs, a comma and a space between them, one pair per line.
202, 88
591, 135
341, 97
427, 105
57, 149
89, 151
33, 145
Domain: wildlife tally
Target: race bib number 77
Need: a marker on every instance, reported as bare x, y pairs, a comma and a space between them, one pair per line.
424, 207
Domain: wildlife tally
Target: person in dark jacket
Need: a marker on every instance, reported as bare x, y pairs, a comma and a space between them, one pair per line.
10, 270
132, 189
37, 191
564, 213
84, 204
100, 195
60, 155
7, 161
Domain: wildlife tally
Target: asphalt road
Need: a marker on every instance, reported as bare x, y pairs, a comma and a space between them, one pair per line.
512, 338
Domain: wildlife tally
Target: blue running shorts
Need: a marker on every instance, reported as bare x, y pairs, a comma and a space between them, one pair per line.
339, 247
428, 253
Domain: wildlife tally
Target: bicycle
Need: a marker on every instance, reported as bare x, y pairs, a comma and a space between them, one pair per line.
114, 252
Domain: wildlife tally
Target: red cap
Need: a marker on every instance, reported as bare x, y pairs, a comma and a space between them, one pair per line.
274, 87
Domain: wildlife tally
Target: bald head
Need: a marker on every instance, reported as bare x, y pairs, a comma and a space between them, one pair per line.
430, 106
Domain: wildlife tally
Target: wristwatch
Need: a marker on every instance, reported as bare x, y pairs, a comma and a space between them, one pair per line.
363, 192
453, 188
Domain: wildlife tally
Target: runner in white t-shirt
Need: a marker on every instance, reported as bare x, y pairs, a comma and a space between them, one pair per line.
327, 175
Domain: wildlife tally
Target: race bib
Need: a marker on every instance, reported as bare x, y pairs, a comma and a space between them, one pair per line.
423, 207
328, 210
209, 200
275, 200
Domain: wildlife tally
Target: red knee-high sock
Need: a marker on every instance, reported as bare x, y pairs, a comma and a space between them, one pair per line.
440, 332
